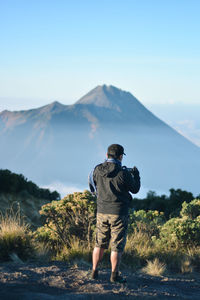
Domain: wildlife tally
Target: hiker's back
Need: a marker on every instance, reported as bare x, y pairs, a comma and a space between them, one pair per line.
112, 190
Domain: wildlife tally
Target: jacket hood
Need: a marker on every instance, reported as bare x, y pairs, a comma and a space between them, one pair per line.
108, 169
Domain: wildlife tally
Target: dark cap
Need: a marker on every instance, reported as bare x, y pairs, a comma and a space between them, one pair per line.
115, 150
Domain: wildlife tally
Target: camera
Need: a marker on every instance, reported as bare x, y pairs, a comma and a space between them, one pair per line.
133, 171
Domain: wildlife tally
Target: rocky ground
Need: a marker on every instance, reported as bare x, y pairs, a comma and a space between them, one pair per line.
59, 281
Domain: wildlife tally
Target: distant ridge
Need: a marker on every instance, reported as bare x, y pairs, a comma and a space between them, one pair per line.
59, 142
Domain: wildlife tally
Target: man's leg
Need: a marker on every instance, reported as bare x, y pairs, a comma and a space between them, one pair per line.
102, 242
115, 259
96, 257
118, 241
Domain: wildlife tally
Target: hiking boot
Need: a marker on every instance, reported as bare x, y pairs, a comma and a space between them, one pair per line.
116, 278
94, 274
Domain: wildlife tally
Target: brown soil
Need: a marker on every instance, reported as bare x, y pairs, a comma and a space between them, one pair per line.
59, 281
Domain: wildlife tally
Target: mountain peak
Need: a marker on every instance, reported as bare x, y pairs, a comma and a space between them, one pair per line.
56, 104
106, 96
96, 96
53, 107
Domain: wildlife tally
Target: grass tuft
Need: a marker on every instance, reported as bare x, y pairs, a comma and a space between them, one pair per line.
154, 268
186, 266
15, 237
42, 252
76, 251
139, 242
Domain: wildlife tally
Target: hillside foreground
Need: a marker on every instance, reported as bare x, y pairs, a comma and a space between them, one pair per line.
58, 280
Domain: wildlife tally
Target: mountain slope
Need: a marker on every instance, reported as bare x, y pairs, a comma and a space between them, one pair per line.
63, 142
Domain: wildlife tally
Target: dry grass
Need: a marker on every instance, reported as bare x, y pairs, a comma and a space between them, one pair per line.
15, 238
138, 249
186, 266
154, 268
141, 252
42, 252
12, 224
194, 255
139, 242
77, 250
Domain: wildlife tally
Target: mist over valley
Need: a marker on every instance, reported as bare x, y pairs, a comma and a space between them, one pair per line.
61, 144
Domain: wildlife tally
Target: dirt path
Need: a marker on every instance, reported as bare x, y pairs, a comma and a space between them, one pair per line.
57, 281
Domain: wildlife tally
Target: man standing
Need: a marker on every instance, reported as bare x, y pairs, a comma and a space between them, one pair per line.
112, 184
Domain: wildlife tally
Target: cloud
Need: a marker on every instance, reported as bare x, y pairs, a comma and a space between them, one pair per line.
189, 124
65, 189
189, 129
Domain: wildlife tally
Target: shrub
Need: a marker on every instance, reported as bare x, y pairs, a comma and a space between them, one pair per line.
151, 216
48, 237
181, 232
73, 216
191, 210
149, 222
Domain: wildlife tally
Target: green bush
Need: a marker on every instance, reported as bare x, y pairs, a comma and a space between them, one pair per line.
73, 216
170, 205
191, 210
181, 232
149, 217
147, 221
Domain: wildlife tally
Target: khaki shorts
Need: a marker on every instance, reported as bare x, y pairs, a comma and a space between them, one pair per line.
111, 229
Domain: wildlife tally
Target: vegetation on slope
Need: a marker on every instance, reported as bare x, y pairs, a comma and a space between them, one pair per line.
170, 205
153, 240
16, 192
16, 183
163, 233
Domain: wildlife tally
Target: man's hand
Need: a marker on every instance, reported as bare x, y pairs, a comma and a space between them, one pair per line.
135, 172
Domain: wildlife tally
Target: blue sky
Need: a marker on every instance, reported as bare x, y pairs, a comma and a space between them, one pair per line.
59, 50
